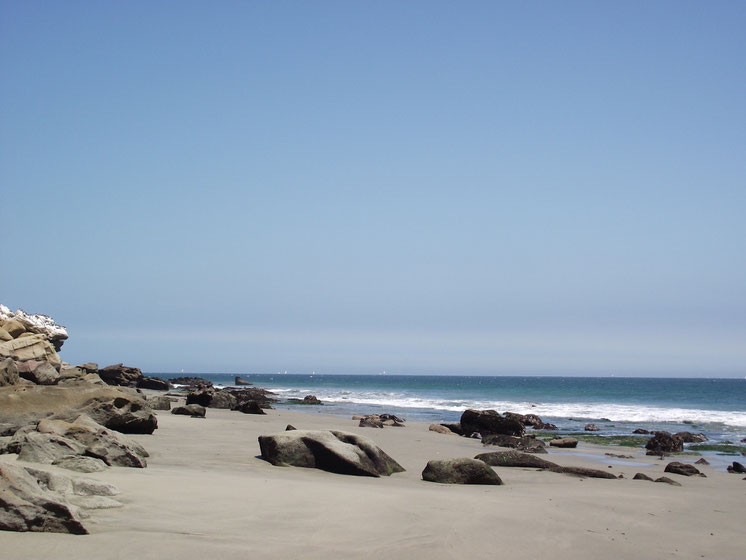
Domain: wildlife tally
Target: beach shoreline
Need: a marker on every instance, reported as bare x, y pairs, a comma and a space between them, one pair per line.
206, 492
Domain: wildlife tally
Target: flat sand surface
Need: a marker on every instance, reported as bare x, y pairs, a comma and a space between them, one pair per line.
207, 495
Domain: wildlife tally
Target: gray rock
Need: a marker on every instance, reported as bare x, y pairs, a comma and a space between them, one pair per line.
8, 372
566, 442
41, 373
460, 471
36, 447
514, 459
332, 451
193, 410
27, 505
80, 464
126, 413
159, 402
224, 400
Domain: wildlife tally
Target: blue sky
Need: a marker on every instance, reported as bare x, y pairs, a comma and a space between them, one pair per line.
344, 187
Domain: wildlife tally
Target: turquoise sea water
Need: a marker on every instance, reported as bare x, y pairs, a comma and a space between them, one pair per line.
618, 405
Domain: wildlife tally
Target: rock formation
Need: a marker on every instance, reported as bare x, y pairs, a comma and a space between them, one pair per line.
460, 471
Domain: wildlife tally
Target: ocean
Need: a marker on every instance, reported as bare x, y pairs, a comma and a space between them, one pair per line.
617, 405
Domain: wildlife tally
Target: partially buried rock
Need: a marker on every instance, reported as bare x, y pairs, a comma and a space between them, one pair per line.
566, 442
249, 407
290, 428
701, 461
736, 467
27, 505
332, 451
439, 428
682, 469
642, 476
193, 410
460, 471
514, 459
667, 480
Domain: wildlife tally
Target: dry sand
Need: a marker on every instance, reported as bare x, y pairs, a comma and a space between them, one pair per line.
207, 495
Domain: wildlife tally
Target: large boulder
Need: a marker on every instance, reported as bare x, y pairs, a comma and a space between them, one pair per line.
223, 399
460, 471
688, 437
528, 444
487, 422
26, 504
34, 347
8, 372
119, 374
565, 442
193, 410
663, 442
159, 402
332, 451
249, 407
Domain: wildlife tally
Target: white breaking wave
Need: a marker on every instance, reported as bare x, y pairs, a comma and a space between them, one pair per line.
579, 410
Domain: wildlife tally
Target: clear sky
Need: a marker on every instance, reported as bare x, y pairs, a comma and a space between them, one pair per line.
344, 187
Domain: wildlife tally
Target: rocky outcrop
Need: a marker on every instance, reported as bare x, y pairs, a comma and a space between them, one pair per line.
193, 410
192, 383
682, 469
486, 422
566, 442
332, 451
525, 443
34, 347
40, 373
119, 374
154, 384
18, 322
115, 408
663, 442
460, 471
530, 420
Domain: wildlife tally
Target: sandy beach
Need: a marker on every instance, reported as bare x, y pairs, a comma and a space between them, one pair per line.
206, 493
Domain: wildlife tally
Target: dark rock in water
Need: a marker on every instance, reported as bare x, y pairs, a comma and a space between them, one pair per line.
688, 437
531, 420
191, 382
566, 442
736, 467
489, 422
591, 428
525, 443
239, 381
701, 461
663, 442
332, 451
514, 459
264, 397
119, 374
193, 410
667, 480
308, 399
641, 431
455, 428
460, 471
153, 383
642, 476
290, 428
249, 407
27, 505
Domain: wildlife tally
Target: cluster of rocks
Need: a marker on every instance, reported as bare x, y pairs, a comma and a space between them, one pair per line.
482, 423
308, 399
249, 400
379, 421
68, 416
663, 443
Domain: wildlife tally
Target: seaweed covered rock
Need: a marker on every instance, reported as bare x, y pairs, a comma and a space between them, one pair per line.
332, 451
525, 443
664, 442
